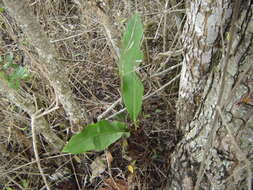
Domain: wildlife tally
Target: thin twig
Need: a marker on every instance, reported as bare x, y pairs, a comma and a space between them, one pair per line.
166, 70
30, 163
77, 182
165, 26
172, 53
162, 87
16, 183
35, 116
35, 149
69, 37
109, 109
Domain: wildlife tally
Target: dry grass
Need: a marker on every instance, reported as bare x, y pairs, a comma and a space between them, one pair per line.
87, 55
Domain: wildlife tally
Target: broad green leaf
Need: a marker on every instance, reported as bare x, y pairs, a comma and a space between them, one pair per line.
130, 58
132, 92
96, 136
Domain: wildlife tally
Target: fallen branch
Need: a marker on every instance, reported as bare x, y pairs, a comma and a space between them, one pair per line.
25, 102
54, 70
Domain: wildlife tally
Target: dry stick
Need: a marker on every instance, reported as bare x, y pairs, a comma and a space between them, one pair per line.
238, 150
166, 70
176, 52
35, 116
30, 163
36, 153
69, 37
149, 95
16, 183
77, 182
164, 26
110, 32
220, 102
109, 109
26, 104
172, 53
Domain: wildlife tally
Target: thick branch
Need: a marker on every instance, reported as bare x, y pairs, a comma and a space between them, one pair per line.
26, 104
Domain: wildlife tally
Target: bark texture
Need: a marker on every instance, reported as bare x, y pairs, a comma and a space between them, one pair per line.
200, 40
216, 150
53, 69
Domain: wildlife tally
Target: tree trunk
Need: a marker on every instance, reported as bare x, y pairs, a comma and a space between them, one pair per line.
215, 107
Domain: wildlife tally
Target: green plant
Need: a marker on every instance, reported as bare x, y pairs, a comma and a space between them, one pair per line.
96, 136
102, 134
9, 188
12, 73
130, 57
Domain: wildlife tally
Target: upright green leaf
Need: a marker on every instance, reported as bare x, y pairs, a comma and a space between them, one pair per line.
96, 136
130, 58
132, 94
131, 54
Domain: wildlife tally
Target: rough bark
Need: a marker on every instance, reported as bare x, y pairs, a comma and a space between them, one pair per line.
200, 36
54, 70
216, 150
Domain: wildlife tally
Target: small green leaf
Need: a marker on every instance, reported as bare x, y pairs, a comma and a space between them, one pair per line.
19, 73
9, 188
1, 9
24, 183
96, 136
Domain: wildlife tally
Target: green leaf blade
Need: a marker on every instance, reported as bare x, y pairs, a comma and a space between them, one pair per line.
133, 32
131, 54
132, 93
130, 58
96, 137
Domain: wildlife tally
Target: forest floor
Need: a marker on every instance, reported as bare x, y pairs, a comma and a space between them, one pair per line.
139, 162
